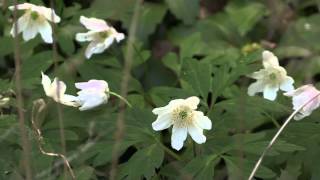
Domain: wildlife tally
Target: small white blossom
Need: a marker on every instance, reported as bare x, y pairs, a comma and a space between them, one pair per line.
100, 35
182, 114
270, 79
92, 94
34, 21
56, 90
305, 94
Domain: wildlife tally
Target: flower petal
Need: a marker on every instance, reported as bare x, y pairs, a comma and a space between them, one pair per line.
46, 83
269, 59
287, 84
163, 122
270, 92
94, 24
108, 41
22, 6
89, 100
202, 121
45, 31
22, 23
94, 85
30, 31
197, 134
94, 48
255, 88
88, 36
192, 102
179, 135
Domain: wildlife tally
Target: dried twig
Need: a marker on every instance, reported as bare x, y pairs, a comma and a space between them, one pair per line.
276, 136
37, 108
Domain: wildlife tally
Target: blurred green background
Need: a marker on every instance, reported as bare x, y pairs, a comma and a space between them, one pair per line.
182, 48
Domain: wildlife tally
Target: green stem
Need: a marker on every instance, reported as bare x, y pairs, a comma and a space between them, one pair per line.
169, 151
120, 97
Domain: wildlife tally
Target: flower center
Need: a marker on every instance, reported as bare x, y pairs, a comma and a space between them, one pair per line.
182, 116
104, 34
273, 76
34, 15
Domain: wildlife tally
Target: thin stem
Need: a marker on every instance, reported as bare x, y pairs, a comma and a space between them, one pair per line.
20, 103
120, 97
120, 127
276, 136
170, 152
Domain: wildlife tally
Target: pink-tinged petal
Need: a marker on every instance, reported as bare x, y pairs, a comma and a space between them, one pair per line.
306, 96
270, 92
202, 121
179, 135
196, 134
163, 122
192, 102
94, 24
93, 85
22, 6
269, 59
255, 88
48, 13
287, 84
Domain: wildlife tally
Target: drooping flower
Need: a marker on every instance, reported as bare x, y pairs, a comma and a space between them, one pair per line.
56, 90
92, 94
100, 35
34, 21
182, 115
270, 79
308, 95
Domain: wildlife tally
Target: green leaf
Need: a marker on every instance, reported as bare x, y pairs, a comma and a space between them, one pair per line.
143, 163
245, 15
196, 77
186, 10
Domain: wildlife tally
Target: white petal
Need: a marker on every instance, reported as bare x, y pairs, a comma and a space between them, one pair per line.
22, 23
91, 100
48, 13
108, 41
163, 122
203, 121
30, 31
119, 37
69, 100
255, 88
57, 89
22, 6
88, 36
270, 92
269, 59
262, 73
287, 84
192, 102
46, 83
94, 24
179, 135
197, 134
94, 48
45, 31
93, 84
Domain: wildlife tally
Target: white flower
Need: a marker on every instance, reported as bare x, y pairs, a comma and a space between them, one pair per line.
92, 94
34, 21
56, 90
305, 94
182, 114
100, 35
270, 79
